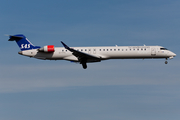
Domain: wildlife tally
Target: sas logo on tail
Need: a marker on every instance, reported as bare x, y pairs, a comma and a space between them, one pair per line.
25, 46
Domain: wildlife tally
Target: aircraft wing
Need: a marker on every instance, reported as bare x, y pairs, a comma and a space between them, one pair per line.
81, 55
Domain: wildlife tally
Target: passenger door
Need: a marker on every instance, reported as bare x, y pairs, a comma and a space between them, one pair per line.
153, 51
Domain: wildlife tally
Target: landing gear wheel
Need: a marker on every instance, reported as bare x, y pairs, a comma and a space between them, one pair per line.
84, 65
83, 61
166, 62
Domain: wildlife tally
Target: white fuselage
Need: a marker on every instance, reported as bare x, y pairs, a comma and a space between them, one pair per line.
104, 53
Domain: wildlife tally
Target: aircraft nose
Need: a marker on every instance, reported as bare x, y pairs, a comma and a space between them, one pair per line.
171, 55
174, 54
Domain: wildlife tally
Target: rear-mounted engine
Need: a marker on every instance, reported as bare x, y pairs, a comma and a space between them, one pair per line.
48, 48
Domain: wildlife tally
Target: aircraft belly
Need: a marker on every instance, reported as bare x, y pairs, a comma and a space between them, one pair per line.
70, 58
50, 56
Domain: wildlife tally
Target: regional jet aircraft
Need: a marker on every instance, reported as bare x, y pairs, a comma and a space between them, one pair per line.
84, 55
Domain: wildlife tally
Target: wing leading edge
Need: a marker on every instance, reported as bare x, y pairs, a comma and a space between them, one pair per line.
82, 57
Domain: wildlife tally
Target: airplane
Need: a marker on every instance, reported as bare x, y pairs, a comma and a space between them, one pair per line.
84, 55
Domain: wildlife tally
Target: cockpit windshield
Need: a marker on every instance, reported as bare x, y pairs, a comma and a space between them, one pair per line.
163, 49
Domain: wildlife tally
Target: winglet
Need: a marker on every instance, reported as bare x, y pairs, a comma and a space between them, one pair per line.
65, 46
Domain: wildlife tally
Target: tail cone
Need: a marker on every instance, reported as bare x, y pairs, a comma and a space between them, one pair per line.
20, 52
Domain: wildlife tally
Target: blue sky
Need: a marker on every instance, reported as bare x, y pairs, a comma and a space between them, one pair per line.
114, 89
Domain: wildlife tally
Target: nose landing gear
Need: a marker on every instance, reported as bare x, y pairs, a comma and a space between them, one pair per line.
166, 62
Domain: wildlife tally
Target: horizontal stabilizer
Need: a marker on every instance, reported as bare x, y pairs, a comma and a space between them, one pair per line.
13, 38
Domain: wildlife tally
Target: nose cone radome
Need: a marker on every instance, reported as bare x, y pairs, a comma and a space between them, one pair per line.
171, 55
174, 54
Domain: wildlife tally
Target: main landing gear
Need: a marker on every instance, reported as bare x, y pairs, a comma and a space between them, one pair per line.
83, 61
84, 65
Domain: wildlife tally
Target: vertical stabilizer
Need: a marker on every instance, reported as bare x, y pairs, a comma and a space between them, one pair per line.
23, 42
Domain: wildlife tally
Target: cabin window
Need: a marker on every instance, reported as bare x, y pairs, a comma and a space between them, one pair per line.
122, 49
107, 49
137, 49
126, 49
114, 49
118, 49
145, 49
110, 49
85, 50
134, 49
66, 50
81, 49
141, 49
62, 50
130, 49
99, 49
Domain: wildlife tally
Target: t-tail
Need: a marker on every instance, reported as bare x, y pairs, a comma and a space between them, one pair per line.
23, 42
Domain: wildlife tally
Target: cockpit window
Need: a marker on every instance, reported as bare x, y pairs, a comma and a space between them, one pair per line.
163, 49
